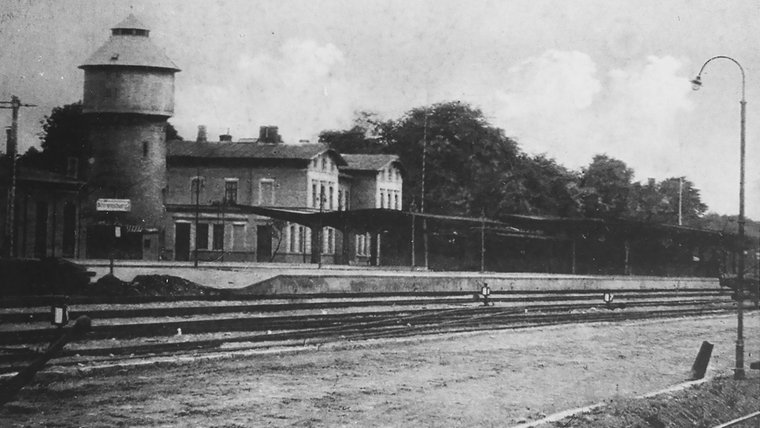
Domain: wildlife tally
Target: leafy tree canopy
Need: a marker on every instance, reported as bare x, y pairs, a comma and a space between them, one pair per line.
605, 187
471, 167
64, 135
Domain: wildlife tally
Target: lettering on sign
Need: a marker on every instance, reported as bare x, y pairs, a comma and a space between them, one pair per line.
113, 205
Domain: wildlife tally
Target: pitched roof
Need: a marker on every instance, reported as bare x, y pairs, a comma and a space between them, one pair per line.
26, 174
130, 50
226, 150
368, 162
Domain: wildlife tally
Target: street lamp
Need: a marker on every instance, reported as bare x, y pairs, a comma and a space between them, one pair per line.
696, 84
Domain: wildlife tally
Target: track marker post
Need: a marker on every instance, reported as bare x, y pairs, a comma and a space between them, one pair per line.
485, 291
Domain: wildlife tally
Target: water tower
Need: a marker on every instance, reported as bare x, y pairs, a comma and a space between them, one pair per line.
128, 97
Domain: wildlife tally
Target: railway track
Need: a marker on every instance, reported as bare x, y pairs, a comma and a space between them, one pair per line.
159, 327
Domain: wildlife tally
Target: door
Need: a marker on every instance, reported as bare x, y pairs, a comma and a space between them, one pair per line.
263, 243
182, 241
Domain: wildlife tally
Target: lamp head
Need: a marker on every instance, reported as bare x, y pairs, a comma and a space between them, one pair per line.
696, 83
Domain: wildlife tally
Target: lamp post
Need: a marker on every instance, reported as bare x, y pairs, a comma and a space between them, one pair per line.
696, 84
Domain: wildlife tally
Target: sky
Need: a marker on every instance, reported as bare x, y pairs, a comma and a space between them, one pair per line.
569, 79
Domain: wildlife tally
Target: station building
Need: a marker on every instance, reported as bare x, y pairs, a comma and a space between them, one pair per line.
214, 189
197, 200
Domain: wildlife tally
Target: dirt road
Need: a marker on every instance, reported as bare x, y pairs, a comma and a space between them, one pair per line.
494, 378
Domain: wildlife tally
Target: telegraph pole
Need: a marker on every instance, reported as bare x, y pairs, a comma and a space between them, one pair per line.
197, 212
422, 187
10, 222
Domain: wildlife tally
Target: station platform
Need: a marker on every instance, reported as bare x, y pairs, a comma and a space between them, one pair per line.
280, 278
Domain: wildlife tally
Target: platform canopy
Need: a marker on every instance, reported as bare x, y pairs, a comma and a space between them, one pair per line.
521, 226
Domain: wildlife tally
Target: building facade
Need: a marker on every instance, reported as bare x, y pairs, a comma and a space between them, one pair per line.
46, 220
213, 186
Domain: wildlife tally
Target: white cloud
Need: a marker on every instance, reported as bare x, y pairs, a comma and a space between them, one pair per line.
545, 102
553, 82
302, 88
560, 104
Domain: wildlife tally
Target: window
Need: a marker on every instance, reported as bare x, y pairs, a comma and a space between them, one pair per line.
238, 237
330, 244
347, 205
218, 236
362, 244
230, 191
324, 162
301, 239
292, 237
330, 203
145, 147
396, 201
340, 200
196, 185
314, 195
266, 192
201, 236
322, 196
382, 199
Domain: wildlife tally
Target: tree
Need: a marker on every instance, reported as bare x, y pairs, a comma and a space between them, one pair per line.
362, 138
172, 134
63, 136
659, 202
471, 167
465, 157
605, 187
543, 187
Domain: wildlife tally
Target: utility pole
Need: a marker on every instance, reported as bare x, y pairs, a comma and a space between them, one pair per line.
197, 212
680, 201
422, 187
10, 221
482, 240
320, 235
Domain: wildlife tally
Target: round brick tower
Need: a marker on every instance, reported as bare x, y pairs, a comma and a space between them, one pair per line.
128, 97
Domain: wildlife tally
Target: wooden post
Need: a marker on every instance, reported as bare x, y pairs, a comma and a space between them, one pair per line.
11, 387
703, 359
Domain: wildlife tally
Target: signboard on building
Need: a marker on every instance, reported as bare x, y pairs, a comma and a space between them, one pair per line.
113, 205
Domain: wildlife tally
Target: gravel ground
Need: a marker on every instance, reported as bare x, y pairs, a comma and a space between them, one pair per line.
498, 378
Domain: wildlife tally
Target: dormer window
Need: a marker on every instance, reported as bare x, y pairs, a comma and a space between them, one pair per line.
115, 57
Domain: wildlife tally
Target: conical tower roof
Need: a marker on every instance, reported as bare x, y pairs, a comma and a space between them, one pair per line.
129, 46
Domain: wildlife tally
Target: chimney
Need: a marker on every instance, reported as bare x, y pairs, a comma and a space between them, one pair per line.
226, 138
651, 182
269, 134
202, 137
